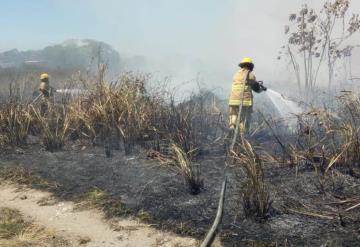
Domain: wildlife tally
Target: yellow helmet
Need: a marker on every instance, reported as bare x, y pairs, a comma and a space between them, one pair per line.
246, 60
44, 77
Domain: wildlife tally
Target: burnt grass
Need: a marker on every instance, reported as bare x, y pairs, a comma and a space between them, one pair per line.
159, 195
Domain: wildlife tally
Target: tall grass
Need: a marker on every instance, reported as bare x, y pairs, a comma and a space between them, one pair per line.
53, 126
14, 124
325, 138
127, 110
330, 138
256, 198
122, 110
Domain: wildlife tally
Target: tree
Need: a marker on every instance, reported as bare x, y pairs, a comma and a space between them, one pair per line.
318, 37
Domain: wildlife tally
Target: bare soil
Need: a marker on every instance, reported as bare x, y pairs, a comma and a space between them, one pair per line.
305, 211
86, 227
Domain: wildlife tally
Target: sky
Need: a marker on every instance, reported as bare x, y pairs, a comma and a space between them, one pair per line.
209, 34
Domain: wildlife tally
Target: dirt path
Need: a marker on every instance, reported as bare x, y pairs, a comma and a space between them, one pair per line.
89, 224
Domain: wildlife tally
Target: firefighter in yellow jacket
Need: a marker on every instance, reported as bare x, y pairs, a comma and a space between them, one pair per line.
46, 93
244, 82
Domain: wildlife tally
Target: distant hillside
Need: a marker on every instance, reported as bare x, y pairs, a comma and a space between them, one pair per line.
79, 54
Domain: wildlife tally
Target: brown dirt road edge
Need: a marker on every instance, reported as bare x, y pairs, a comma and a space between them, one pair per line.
73, 224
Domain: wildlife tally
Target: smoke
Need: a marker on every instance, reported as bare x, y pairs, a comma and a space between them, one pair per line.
202, 40
187, 40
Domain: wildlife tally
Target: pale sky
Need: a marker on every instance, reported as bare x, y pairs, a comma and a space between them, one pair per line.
212, 33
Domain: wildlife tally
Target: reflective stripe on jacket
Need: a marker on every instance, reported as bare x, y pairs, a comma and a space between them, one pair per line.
238, 86
46, 90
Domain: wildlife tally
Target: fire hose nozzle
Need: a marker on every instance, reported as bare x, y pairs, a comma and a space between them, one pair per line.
262, 87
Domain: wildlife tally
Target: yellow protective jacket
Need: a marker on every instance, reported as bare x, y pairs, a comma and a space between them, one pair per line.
46, 90
239, 85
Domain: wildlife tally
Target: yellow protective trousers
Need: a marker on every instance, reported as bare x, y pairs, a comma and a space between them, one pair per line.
245, 118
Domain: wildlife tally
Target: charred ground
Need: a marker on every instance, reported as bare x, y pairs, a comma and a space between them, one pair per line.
132, 151
302, 213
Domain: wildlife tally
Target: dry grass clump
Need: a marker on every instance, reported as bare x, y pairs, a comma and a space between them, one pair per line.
326, 139
14, 124
194, 122
188, 170
53, 126
17, 120
256, 199
122, 110
11, 223
350, 131
184, 163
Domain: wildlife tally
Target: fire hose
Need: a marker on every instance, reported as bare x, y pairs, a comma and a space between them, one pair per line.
210, 236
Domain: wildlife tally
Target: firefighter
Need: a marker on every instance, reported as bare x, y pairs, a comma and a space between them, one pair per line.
46, 93
244, 82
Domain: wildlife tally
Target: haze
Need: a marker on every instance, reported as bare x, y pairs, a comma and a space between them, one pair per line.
180, 38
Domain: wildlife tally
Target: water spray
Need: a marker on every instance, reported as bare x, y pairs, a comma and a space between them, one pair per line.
286, 107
